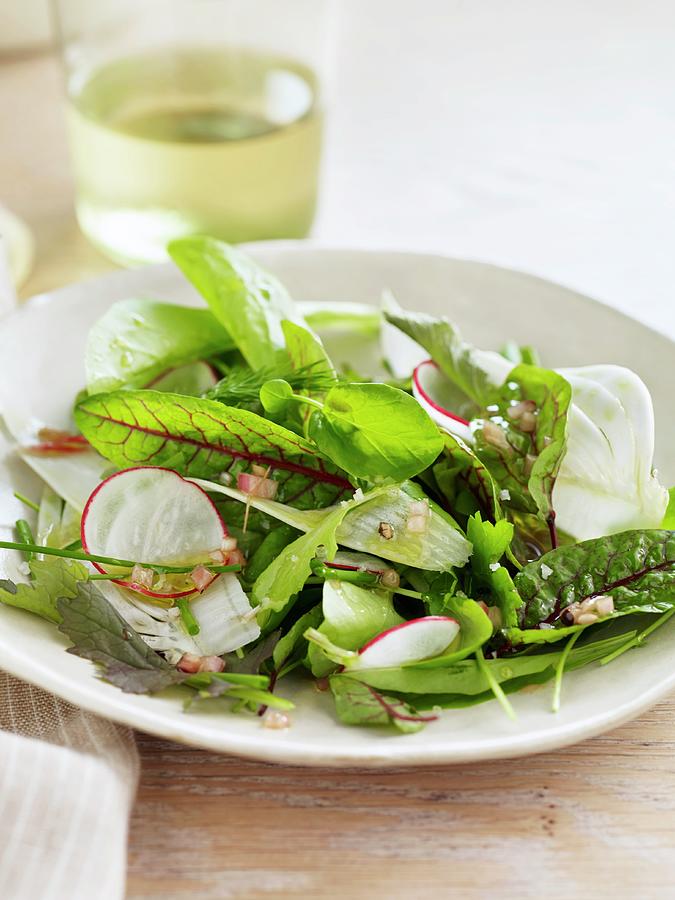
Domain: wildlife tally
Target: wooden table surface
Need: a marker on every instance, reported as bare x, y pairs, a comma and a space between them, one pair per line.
596, 820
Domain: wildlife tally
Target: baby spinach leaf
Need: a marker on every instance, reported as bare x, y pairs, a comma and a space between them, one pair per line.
375, 432
100, 634
522, 439
247, 301
490, 543
635, 568
352, 616
475, 629
359, 704
201, 438
52, 579
138, 340
460, 361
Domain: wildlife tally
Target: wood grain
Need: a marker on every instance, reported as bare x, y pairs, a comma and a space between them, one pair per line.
596, 820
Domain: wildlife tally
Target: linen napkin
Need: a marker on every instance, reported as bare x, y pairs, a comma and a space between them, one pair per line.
67, 783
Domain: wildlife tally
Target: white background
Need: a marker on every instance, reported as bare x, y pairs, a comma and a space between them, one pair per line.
532, 133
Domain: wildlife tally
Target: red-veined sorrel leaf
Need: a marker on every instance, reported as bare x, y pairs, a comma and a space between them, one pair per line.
201, 438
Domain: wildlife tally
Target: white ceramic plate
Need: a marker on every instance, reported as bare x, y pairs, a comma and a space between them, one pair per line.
44, 341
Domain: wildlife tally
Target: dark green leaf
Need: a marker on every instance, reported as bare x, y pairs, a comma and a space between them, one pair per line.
465, 482
100, 634
294, 640
636, 568
360, 704
523, 447
202, 438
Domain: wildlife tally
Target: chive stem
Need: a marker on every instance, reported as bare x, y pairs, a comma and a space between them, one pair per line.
27, 501
560, 670
107, 577
31, 547
639, 638
25, 532
187, 616
495, 686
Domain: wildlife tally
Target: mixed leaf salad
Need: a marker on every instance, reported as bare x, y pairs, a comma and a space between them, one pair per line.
231, 505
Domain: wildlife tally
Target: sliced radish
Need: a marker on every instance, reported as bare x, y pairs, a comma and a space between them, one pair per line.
407, 643
152, 515
430, 386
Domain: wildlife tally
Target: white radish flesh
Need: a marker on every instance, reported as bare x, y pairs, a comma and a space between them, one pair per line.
408, 643
152, 515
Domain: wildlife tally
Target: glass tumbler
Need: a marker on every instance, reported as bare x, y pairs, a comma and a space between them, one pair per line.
193, 116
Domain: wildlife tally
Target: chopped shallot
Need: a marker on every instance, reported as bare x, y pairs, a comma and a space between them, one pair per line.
142, 576
258, 485
201, 577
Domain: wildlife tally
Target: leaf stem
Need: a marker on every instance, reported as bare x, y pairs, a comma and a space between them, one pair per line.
25, 532
28, 502
552, 530
187, 616
29, 546
559, 671
495, 686
639, 638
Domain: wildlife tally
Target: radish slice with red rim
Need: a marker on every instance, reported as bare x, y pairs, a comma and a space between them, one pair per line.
152, 515
408, 643
430, 389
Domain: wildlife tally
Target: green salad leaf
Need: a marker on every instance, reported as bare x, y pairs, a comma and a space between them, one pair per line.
53, 579
294, 644
669, 518
468, 678
522, 439
465, 482
201, 438
352, 616
635, 568
306, 351
490, 543
248, 302
286, 574
375, 432
360, 704
136, 341
461, 362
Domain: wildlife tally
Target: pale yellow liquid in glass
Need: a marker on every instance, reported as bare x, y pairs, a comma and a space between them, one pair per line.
210, 141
